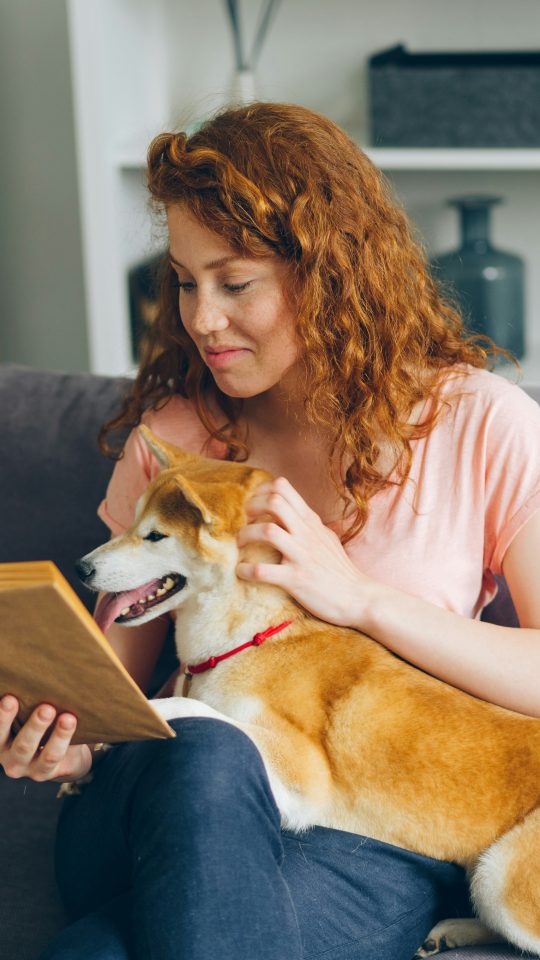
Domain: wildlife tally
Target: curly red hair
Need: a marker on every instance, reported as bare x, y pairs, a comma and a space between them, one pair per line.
373, 327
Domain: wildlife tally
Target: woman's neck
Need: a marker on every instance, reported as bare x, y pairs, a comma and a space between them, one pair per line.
278, 411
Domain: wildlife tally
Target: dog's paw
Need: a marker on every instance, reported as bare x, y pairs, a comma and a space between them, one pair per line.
449, 934
73, 788
173, 708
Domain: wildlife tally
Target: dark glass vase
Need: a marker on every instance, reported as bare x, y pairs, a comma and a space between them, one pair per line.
487, 283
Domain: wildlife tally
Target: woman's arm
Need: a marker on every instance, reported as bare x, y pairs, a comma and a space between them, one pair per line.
499, 664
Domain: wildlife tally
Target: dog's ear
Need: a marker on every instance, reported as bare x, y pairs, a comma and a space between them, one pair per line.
190, 494
165, 453
221, 499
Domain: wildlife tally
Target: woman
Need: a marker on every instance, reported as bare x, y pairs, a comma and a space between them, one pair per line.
299, 330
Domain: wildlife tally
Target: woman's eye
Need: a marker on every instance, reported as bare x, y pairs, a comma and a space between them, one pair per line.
237, 287
187, 286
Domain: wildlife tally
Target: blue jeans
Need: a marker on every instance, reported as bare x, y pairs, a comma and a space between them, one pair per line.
174, 852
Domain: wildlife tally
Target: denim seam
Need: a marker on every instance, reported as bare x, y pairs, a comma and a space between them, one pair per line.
370, 936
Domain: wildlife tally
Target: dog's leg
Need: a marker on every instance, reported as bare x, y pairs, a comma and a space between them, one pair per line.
449, 934
505, 884
296, 769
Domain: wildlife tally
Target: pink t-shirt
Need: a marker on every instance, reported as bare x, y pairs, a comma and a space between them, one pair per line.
442, 536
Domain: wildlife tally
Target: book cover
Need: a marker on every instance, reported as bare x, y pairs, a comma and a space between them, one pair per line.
52, 651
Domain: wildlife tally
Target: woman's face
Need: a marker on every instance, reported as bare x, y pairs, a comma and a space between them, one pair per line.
234, 309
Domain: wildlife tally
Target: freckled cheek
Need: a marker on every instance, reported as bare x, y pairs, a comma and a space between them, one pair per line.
275, 335
282, 344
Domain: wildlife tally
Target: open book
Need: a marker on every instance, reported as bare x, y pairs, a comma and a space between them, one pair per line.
52, 651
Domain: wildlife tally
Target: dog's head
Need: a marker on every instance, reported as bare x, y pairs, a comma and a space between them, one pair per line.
184, 532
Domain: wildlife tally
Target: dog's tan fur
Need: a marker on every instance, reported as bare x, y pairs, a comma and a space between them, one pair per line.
352, 736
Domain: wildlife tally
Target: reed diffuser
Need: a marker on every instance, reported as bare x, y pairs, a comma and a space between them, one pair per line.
243, 88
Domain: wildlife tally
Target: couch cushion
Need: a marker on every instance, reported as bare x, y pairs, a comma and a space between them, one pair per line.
31, 910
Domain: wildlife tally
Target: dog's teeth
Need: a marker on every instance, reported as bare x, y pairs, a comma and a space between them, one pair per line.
160, 592
169, 582
151, 596
124, 612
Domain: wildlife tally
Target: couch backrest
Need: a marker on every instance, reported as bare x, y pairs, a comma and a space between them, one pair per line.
53, 475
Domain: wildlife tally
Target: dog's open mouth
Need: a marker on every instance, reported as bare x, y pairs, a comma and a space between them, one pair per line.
131, 604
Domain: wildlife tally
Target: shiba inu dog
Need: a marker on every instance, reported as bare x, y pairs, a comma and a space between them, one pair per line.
352, 736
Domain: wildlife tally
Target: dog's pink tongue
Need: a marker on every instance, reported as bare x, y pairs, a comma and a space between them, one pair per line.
111, 604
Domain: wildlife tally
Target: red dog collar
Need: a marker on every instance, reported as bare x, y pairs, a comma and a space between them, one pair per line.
255, 641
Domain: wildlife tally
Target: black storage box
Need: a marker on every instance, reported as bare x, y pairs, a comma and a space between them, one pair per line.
454, 99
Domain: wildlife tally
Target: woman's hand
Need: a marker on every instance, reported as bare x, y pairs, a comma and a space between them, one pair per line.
314, 567
22, 756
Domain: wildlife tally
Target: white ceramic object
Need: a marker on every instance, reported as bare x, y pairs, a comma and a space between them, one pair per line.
243, 88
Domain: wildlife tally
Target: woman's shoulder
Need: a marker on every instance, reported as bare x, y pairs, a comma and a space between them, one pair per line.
170, 418
480, 394
176, 421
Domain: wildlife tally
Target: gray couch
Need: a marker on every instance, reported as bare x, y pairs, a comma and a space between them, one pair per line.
52, 479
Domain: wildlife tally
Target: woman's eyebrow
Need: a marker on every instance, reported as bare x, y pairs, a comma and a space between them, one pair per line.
213, 265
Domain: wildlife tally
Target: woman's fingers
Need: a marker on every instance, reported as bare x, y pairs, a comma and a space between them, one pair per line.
9, 708
267, 532
281, 501
54, 753
277, 491
26, 742
23, 754
271, 573
292, 528
314, 569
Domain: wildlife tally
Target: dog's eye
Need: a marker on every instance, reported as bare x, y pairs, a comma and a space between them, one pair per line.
154, 535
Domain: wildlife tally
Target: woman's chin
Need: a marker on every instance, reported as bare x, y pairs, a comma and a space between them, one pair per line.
238, 391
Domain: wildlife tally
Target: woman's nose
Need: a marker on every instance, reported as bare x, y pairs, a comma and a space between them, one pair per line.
207, 317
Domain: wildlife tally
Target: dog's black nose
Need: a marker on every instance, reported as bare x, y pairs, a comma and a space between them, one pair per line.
85, 569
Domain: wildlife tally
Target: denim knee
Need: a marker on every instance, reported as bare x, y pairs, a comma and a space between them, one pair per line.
215, 754
209, 767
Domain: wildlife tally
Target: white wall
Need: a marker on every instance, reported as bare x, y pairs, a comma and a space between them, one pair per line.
42, 319
316, 51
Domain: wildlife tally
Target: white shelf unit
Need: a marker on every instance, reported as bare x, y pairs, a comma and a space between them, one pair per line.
462, 159
128, 59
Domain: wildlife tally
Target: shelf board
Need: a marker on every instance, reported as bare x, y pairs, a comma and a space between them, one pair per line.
131, 156
453, 159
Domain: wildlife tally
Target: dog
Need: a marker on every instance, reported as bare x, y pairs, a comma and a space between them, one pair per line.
352, 736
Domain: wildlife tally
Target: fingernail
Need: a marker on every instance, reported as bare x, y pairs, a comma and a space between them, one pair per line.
46, 713
8, 702
67, 723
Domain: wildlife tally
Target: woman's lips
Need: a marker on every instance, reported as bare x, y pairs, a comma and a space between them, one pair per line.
222, 358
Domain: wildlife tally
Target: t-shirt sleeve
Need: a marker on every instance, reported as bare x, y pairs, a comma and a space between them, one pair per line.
512, 471
129, 480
